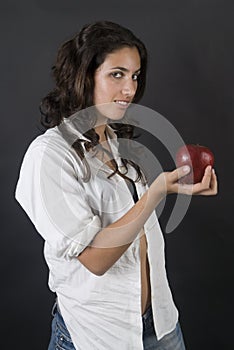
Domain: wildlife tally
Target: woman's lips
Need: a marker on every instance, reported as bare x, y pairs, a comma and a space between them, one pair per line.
122, 103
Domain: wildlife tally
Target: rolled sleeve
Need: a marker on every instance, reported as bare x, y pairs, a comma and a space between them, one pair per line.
84, 238
52, 194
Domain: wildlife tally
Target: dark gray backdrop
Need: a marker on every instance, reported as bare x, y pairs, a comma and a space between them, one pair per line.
190, 82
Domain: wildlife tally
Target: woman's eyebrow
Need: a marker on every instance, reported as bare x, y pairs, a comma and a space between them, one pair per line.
125, 69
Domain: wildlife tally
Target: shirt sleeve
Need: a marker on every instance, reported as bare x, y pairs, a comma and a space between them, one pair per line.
52, 194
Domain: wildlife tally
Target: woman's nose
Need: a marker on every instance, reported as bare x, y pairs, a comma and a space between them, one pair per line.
129, 88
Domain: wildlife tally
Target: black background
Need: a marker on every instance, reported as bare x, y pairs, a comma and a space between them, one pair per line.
190, 82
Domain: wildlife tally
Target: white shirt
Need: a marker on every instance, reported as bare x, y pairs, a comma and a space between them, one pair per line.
100, 312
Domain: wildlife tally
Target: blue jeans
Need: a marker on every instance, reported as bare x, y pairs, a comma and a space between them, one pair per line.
60, 337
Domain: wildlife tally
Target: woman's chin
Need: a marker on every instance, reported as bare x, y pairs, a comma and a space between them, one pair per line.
112, 110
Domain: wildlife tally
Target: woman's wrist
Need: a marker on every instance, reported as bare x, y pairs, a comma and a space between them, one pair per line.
158, 188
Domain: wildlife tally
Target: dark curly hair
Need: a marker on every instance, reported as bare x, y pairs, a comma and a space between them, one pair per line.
73, 73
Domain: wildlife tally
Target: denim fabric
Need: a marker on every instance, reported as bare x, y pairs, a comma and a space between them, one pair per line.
60, 337
61, 340
171, 341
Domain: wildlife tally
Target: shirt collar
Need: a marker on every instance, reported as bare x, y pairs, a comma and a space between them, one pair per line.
71, 133
69, 124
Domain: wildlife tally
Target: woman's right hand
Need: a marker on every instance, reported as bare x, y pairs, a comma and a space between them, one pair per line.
169, 182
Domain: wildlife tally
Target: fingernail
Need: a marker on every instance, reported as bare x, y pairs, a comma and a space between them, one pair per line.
213, 171
186, 169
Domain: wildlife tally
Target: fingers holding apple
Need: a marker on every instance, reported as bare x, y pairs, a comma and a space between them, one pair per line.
197, 157
209, 183
206, 187
194, 173
170, 182
202, 178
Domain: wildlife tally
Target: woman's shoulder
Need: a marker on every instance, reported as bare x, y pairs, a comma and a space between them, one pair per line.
54, 145
51, 137
51, 141
49, 145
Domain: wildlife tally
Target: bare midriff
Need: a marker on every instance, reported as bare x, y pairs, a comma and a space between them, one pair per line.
145, 276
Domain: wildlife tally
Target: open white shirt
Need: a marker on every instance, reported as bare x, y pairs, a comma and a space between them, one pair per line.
100, 312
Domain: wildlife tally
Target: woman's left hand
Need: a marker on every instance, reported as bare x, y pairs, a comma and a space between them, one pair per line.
207, 187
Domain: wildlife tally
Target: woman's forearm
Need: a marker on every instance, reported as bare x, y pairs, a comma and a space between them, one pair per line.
112, 241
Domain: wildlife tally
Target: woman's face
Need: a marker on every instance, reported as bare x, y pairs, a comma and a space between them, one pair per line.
115, 82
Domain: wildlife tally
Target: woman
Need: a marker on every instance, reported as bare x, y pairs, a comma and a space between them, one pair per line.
103, 243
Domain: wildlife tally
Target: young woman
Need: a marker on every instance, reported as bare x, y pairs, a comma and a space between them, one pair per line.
103, 244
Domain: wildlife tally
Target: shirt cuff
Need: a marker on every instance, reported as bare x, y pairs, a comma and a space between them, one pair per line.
84, 238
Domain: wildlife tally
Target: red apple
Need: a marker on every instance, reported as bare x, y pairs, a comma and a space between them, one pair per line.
198, 158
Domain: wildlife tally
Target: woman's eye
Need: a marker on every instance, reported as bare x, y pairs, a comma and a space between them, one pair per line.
117, 74
135, 76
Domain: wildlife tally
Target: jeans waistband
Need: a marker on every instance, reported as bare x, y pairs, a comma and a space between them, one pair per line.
55, 308
147, 318
147, 313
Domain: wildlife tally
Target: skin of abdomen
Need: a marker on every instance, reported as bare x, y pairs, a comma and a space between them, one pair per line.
145, 276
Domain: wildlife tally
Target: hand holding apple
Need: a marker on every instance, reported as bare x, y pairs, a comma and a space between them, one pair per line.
197, 158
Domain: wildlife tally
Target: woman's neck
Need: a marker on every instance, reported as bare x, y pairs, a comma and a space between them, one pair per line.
100, 130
